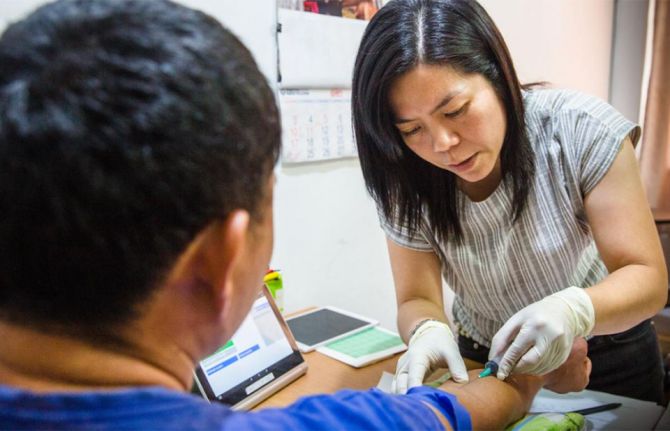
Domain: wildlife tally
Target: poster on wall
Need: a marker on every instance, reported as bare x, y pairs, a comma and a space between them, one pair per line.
316, 53
316, 125
356, 9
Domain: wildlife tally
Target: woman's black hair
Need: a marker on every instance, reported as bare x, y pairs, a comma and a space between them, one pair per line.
402, 35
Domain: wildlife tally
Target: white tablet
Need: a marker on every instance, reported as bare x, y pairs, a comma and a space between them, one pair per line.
322, 325
261, 358
364, 347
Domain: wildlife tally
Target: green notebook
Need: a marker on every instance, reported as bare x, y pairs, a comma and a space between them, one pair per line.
364, 347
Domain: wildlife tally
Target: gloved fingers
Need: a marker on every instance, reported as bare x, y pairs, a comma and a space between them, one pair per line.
503, 338
530, 363
522, 343
551, 354
458, 372
402, 362
399, 385
545, 364
457, 368
417, 370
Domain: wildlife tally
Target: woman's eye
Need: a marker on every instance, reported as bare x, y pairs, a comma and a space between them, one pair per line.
410, 132
457, 112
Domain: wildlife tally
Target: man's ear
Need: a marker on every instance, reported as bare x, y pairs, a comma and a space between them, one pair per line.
211, 257
221, 257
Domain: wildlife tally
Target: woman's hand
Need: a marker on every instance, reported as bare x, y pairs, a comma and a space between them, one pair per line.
432, 346
538, 338
573, 375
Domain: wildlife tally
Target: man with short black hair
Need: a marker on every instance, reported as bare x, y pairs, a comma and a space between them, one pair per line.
137, 146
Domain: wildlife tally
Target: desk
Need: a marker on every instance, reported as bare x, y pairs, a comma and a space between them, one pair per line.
327, 375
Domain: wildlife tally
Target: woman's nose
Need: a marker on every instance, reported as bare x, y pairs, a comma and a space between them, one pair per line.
444, 140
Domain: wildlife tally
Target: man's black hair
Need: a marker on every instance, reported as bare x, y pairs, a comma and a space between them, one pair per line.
126, 127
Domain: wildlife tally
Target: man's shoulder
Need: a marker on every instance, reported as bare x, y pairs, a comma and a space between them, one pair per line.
159, 408
132, 408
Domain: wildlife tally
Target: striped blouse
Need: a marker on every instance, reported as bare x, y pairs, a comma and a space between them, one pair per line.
501, 267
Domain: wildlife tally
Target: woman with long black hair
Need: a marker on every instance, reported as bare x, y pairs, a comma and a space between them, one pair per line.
528, 203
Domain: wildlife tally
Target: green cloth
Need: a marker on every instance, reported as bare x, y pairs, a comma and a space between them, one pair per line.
549, 422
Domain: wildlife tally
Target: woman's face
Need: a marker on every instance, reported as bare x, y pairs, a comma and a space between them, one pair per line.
453, 121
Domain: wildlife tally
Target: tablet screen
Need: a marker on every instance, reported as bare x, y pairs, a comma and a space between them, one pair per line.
323, 324
259, 352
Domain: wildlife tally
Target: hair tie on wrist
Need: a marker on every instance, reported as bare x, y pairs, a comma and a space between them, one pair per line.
418, 325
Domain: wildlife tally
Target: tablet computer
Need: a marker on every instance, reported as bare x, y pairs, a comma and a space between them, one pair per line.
364, 347
261, 358
322, 325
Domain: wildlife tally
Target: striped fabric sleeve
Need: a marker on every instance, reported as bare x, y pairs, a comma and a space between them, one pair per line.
400, 234
599, 130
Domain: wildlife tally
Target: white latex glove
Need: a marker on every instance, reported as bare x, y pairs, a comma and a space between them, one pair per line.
538, 338
432, 346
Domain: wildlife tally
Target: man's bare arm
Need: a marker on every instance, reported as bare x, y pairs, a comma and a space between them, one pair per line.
494, 404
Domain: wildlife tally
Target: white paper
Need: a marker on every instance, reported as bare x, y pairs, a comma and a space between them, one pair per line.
316, 125
317, 51
385, 382
632, 415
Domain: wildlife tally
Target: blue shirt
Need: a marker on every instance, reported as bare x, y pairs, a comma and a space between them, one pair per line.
157, 408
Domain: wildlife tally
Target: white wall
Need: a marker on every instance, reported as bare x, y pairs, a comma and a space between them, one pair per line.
255, 26
328, 243
628, 53
14, 10
565, 42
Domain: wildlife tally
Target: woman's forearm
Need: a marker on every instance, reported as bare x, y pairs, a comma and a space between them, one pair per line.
627, 296
627, 240
413, 311
418, 286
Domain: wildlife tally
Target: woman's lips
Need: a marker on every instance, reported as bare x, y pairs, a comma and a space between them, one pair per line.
464, 165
